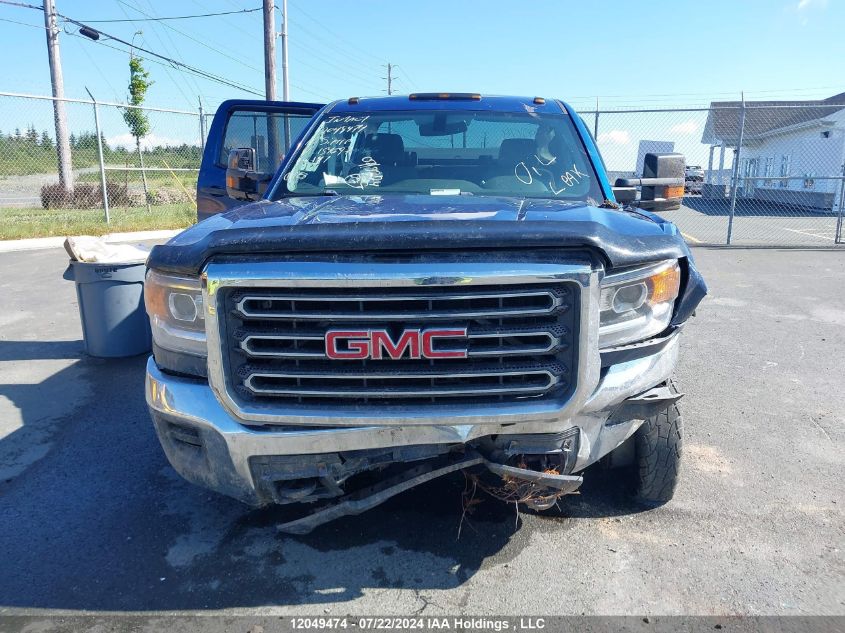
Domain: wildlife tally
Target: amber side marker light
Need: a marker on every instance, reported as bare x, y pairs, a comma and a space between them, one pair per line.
674, 192
444, 96
665, 285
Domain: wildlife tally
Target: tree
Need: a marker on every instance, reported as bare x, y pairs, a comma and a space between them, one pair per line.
31, 135
136, 119
46, 141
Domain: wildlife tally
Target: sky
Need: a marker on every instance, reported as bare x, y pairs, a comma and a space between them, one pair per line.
647, 54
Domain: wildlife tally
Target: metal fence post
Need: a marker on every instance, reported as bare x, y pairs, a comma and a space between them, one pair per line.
735, 182
596, 123
100, 156
837, 238
202, 127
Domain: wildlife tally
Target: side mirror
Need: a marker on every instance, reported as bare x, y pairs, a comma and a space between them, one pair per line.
242, 181
663, 196
662, 184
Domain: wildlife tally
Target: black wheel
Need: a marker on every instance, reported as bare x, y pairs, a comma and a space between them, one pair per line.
658, 456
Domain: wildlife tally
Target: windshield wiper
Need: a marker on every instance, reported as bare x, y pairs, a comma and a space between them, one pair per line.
327, 192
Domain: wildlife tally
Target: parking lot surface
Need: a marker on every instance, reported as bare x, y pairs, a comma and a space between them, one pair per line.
93, 518
705, 221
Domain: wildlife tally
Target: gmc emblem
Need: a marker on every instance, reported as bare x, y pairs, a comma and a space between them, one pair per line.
378, 344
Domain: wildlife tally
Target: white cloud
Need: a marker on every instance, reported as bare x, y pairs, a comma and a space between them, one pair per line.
806, 4
148, 142
615, 137
687, 127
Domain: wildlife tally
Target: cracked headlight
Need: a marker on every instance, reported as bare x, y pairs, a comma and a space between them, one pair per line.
177, 319
637, 304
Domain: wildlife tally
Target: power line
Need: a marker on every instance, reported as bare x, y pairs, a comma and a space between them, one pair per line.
192, 69
177, 17
355, 51
99, 70
167, 63
408, 79
21, 4
709, 95
172, 52
173, 62
317, 54
36, 26
200, 42
321, 50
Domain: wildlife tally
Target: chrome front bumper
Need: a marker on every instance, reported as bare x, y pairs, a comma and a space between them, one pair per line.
208, 446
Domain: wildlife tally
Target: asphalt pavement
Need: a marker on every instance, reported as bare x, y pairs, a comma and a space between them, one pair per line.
93, 519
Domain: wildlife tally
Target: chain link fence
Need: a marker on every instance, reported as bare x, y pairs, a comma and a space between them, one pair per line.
758, 173
150, 183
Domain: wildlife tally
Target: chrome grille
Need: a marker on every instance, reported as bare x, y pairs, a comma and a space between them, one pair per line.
521, 343
338, 307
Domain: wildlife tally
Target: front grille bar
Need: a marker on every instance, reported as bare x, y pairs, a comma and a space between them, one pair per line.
531, 382
535, 303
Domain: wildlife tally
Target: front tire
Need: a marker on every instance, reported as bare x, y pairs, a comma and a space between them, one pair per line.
658, 445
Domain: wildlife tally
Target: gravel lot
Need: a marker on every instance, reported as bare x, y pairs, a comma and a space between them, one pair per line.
92, 517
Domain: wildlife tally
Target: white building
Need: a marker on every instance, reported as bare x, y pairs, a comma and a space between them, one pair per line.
793, 152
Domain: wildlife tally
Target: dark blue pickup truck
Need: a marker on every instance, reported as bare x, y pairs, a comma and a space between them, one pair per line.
386, 290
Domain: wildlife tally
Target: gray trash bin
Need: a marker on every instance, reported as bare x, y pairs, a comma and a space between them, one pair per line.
111, 307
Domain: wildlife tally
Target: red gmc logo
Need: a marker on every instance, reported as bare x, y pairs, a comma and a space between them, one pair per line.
378, 344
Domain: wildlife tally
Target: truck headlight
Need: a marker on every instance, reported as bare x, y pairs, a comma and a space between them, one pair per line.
637, 304
177, 316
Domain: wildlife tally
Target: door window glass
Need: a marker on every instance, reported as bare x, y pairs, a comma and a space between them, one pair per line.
269, 133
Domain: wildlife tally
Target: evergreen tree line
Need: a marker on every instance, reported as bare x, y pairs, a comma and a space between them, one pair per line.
28, 151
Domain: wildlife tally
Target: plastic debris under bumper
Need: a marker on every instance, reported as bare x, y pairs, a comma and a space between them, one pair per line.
368, 498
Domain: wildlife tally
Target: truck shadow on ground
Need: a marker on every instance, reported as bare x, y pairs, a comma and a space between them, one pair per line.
101, 522
750, 207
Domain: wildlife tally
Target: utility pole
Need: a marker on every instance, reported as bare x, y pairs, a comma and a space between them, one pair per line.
269, 50
389, 78
284, 37
59, 114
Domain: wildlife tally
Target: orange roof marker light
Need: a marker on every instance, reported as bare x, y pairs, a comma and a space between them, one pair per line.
445, 96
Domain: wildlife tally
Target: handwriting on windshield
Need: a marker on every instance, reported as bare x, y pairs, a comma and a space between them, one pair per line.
545, 171
338, 133
368, 175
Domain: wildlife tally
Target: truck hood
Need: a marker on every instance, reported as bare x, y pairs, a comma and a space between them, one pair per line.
398, 208
334, 224
420, 222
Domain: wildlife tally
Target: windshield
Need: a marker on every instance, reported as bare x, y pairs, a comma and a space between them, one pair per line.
461, 152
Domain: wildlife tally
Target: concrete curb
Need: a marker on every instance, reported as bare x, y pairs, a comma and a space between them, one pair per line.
38, 243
